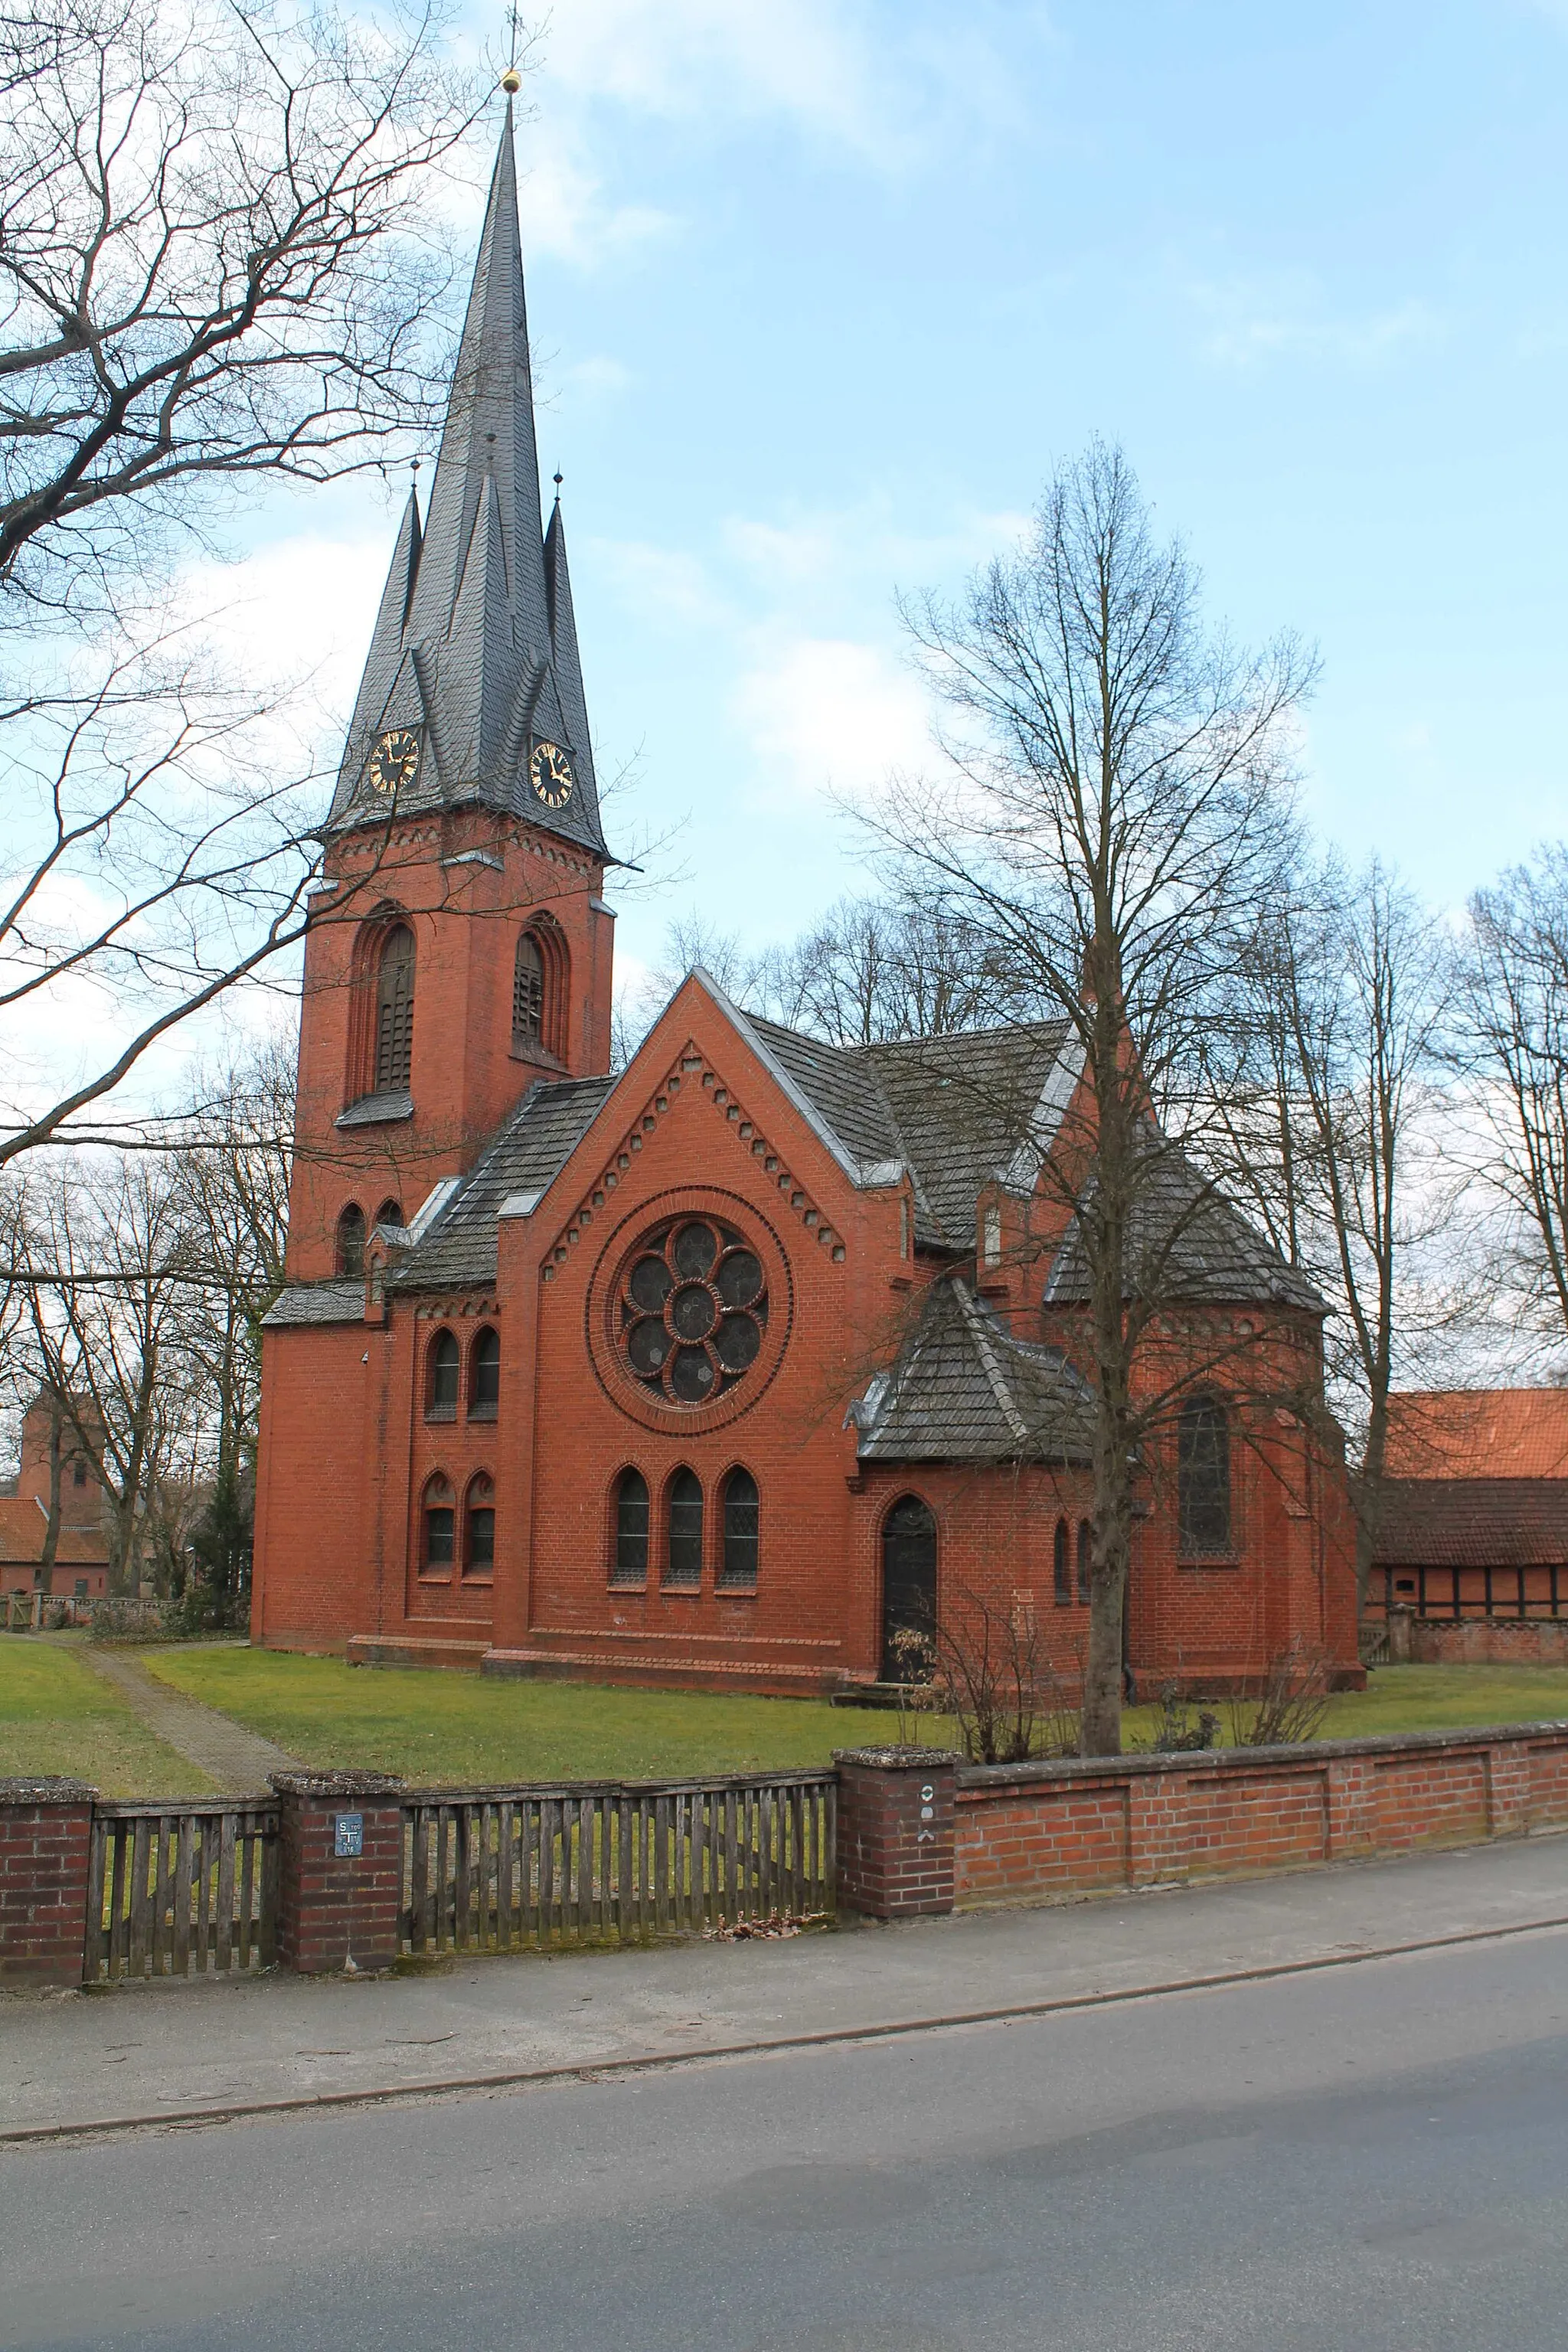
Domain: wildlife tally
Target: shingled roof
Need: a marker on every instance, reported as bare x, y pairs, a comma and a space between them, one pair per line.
458, 1250
1187, 1241
964, 1389
960, 1112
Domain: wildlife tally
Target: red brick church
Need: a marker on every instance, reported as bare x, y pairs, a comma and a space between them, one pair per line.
723, 1368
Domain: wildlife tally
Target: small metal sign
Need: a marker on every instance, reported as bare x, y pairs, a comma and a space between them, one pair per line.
348, 1833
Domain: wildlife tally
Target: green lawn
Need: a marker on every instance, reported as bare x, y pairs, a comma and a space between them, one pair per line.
56, 1716
435, 1727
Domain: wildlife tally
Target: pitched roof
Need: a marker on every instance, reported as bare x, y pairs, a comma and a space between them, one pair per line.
961, 1112
964, 1389
22, 1530
316, 1302
475, 644
1185, 1241
1472, 1523
458, 1250
1451, 1433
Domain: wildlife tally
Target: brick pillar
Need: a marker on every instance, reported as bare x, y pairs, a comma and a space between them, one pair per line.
340, 1878
895, 1831
46, 1842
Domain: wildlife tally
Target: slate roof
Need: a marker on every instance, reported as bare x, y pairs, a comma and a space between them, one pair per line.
1188, 1242
964, 1389
1472, 1523
316, 1302
458, 1250
961, 1112
475, 644
1453, 1434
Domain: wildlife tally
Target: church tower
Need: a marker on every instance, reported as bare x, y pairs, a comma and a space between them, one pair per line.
459, 948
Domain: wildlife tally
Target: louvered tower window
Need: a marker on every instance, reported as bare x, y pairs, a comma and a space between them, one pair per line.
394, 1012
528, 993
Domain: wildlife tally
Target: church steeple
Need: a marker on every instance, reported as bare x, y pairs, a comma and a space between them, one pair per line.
475, 649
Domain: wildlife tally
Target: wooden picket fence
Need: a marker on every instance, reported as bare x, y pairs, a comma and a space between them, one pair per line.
182, 1890
489, 1870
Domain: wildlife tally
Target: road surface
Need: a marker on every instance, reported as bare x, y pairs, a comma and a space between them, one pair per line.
1369, 2158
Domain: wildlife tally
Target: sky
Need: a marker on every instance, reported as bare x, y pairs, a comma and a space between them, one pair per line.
821, 290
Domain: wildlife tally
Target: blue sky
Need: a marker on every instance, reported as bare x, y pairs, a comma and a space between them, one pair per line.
821, 290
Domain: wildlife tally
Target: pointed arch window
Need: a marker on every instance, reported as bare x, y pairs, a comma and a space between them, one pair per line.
442, 1379
540, 974
742, 1509
394, 1012
1203, 1480
351, 1242
480, 1527
1085, 1562
390, 1213
438, 1529
484, 1376
1062, 1566
628, 1563
683, 1532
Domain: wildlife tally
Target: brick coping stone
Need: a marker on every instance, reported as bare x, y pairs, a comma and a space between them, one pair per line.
47, 1790
1306, 1752
338, 1784
892, 1760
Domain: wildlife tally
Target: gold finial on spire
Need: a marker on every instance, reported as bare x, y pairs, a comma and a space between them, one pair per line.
512, 80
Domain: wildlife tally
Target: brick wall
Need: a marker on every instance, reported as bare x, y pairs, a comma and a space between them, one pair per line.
1025, 1832
1482, 1642
45, 1828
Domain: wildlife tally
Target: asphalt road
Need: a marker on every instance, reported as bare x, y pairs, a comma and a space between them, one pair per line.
1370, 2159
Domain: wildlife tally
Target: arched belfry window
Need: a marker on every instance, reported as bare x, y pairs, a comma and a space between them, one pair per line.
527, 992
1203, 1480
394, 1012
540, 972
351, 1242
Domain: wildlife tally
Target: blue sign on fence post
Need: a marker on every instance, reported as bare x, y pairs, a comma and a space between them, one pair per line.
348, 1831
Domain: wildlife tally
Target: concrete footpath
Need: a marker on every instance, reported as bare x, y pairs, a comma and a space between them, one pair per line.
153, 2052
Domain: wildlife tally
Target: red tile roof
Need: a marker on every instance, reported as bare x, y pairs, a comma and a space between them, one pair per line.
22, 1538
1472, 1523
1485, 1433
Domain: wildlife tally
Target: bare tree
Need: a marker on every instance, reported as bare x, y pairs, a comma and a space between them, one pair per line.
1339, 1017
214, 263
219, 266
1511, 1031
1115, 787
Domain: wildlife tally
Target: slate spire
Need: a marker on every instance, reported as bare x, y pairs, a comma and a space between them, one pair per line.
474, 648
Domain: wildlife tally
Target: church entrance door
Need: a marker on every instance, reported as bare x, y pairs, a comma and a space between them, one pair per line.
908, 1588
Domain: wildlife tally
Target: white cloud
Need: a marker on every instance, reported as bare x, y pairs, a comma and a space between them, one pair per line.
1249, 324
562, 207
827, 714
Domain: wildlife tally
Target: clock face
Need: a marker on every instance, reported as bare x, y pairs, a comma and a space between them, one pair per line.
550, 775
394, 762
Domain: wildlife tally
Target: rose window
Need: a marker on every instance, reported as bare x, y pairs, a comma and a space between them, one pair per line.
694, 1307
